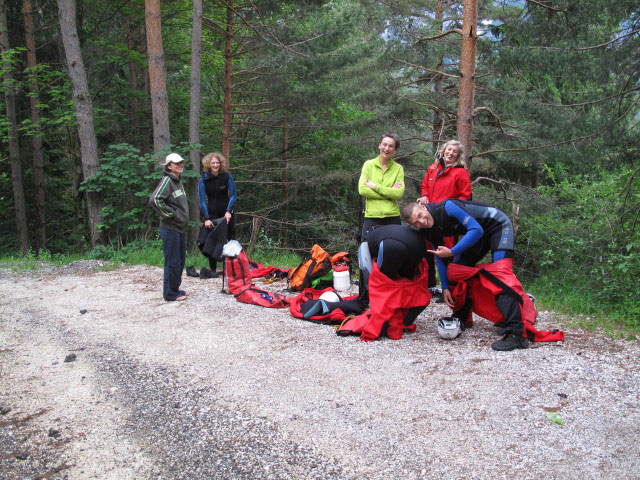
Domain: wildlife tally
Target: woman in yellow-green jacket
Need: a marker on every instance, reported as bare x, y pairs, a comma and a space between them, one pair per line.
382, 185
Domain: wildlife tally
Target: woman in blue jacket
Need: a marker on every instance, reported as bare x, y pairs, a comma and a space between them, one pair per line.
217, 193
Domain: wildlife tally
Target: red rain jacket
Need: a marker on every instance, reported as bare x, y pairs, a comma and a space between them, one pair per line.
453, 182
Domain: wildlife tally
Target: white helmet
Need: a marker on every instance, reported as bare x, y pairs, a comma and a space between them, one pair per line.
330, 296
449, 327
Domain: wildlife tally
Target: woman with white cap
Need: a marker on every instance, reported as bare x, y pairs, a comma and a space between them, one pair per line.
169, 200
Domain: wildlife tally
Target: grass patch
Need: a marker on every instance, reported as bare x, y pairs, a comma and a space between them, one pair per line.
32, 262
584, 309
277, 259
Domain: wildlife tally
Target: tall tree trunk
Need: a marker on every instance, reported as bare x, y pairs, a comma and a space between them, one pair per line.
134, 116
467, 78
437, 83
194, 117
14, 151
147, 132
36, 138
157, 77
228, 58
285, 181
84, 110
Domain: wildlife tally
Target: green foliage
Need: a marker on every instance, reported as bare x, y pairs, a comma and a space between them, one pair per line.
126, 179
269, 252
587, 244
31, 261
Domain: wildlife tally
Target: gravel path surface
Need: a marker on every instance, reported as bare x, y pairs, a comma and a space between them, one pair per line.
213, 389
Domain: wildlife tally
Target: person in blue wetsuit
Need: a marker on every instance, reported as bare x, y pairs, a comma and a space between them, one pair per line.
484, 229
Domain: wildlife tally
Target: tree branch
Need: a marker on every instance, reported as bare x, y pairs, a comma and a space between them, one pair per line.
497, 119
582, 49
591, 102
440, 35
573, 140
548, 7
438, 72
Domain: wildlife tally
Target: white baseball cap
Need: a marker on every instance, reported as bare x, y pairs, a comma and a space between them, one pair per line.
173, 158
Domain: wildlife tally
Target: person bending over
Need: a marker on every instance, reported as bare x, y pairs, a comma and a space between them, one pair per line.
484, 229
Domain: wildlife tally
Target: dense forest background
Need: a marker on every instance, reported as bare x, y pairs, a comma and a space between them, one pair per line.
543, 93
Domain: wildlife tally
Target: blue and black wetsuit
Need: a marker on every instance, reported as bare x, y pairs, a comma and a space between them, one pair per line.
484, 229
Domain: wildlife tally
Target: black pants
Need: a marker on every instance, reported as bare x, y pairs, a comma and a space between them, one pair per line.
174, 247
213, 264
508, 306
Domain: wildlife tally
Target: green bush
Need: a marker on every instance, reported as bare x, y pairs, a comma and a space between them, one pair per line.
586, 245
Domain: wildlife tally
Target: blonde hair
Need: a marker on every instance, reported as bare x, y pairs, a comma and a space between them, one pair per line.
206, 162
455, 143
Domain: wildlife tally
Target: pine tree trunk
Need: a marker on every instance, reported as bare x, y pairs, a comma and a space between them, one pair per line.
36, 139
84, 110
437, 83
147, 132
228, 58
157, 77
467, 78
194, 118
285, 181
14, 152
134, 115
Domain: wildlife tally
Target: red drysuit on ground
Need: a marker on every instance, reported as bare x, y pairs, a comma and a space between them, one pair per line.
389, 301
483, 282
334, 316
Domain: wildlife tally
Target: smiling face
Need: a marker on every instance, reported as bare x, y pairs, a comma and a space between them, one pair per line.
387, 147
214, 165
421, 218
176, 168
451, 154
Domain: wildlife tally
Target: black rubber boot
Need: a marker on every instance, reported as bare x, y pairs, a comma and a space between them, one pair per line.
509, 342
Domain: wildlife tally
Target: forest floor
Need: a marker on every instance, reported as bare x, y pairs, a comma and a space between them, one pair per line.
100, 378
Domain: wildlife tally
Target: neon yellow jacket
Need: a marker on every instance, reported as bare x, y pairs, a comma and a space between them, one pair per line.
382, 200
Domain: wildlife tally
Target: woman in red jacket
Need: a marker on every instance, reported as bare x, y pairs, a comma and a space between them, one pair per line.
445, 178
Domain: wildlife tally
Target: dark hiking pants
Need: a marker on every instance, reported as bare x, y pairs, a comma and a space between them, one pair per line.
174, 247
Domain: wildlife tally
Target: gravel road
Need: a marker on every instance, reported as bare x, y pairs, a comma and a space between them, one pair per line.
99, 378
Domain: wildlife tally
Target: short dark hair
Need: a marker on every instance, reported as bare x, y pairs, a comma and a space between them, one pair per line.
408, 209
394, 136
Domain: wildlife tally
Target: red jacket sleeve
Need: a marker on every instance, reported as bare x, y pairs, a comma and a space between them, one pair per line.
463, 183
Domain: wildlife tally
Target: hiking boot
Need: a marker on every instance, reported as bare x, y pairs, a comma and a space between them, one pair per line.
191, 272
509, 342
206, 273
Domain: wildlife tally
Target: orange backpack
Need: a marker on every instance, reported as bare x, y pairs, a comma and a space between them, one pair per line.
317, 265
